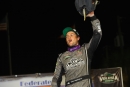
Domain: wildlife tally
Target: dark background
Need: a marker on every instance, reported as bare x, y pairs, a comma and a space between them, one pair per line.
35, 28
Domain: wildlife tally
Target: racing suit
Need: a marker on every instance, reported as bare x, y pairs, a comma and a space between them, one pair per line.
76, 64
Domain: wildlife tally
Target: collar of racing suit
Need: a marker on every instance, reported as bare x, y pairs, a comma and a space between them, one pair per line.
73, 48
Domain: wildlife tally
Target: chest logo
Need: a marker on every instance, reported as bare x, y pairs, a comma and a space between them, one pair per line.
75, 63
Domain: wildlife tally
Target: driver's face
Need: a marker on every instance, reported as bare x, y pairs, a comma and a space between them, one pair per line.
72, 39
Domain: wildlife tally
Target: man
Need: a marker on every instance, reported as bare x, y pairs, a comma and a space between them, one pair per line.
75, 62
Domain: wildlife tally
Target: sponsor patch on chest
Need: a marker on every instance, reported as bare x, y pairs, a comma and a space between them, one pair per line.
75, 63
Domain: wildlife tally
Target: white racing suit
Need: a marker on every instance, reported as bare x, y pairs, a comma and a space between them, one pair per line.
76, 64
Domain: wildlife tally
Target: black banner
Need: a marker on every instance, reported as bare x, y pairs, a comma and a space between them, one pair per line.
108, 77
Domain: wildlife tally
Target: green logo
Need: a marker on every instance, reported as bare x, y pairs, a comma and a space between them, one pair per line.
66, 57
108, 78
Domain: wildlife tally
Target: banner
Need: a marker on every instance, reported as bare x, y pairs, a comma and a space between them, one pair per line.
109, 77
43, 80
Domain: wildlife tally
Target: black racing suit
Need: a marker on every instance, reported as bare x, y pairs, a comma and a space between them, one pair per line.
76, 64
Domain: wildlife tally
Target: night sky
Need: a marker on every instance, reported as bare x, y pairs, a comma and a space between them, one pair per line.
35, 28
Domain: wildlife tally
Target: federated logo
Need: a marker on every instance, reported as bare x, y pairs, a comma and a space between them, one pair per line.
45, 83
108, 78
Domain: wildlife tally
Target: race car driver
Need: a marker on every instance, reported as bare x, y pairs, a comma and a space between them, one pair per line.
76, 61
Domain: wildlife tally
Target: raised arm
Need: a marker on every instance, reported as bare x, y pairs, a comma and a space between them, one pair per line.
97, 33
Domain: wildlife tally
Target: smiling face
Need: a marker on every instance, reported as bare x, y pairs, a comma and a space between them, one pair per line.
72, 39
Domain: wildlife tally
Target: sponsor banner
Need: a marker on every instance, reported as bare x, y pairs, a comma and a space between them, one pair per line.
27, 81
109, 77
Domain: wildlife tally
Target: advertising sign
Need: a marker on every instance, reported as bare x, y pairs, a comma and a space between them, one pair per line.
27, 81
108, 77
